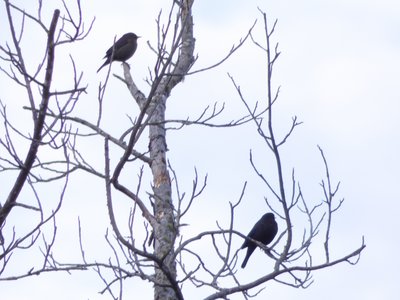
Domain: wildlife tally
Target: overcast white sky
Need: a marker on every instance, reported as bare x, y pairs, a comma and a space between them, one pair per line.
339, 73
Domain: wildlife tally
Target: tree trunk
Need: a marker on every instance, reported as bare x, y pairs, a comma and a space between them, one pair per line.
165, 228
165, 233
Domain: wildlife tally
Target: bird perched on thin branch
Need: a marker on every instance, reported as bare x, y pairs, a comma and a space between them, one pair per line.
122, 50
263, 231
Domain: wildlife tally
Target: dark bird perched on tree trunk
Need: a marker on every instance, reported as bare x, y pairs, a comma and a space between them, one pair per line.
264, 231
123, 49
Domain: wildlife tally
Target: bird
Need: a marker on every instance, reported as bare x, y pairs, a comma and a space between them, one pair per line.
263, 231
124, 48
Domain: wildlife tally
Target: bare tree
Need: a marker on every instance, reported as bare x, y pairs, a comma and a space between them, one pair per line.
161, 256
45, 134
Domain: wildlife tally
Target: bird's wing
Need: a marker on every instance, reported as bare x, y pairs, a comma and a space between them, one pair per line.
254, 234
118, 45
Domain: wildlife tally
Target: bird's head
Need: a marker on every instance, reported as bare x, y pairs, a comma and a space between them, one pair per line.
269, 216
131, 36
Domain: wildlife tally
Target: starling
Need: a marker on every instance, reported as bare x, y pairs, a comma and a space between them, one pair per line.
263, 231
124, 48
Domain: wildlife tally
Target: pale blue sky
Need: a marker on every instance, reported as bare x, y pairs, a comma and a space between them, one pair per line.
339, 73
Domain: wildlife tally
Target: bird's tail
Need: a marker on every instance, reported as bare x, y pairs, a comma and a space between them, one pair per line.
245, 260
105, 63
249, 252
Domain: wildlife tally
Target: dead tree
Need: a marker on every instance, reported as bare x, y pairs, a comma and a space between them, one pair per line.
24, 149
150, 246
